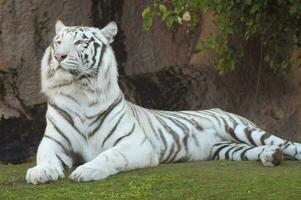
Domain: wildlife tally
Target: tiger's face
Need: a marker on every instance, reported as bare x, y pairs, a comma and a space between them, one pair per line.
77, 52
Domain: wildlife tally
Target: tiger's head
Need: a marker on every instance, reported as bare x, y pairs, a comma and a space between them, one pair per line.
80, 57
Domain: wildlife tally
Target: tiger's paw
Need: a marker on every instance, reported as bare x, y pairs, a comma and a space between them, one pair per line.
85, 173
271, 156
43, 174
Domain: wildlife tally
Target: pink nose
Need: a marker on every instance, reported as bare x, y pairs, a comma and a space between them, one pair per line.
59, 57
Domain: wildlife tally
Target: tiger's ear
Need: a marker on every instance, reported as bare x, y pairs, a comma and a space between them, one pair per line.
59, 26
109, 31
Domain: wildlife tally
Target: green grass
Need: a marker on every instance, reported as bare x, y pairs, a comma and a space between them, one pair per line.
196, 180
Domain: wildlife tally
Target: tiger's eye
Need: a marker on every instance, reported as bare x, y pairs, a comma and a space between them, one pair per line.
78, 42
59, 42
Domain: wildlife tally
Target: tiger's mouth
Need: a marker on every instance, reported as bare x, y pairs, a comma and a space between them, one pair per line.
73, 72
61, 67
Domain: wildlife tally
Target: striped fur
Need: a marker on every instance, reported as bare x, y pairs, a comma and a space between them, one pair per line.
89, 120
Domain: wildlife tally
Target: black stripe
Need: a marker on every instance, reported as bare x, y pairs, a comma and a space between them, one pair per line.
228, 152
232, 118
236, 150
145, 138
77, 115
95, 45
179, 124
197, 126
176, 114
118, 112
182, 126
242, 155
190, 114
58, 143
59, 131
108, 110
231, 130
243, 120
62, 112
172, 132
216, 153
71, 98
135, 113
103, 49
66, 116
128, 134
61, 85
93, 103
248, 132
195, 140
212, 115
61, 160
113, 130
285, 145
151, 125
164, 143
170, 153
260, 153
264, 137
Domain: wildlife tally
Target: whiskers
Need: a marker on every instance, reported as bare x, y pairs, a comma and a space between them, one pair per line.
83, 75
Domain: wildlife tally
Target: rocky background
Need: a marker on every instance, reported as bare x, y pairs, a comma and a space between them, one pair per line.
159, 69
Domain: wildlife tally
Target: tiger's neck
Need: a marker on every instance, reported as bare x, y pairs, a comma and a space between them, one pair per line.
99, 97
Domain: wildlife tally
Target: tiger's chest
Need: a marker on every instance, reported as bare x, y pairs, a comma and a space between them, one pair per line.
83, 118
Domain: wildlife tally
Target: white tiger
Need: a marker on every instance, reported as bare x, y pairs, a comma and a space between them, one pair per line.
88, 118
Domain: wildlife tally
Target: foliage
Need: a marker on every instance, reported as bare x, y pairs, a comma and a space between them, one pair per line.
274, 24
217, 180
181, 11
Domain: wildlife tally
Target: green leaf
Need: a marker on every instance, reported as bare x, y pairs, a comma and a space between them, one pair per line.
248, 2
148, 23
166, 15
162, 8
146, 12
255, 8
169, 21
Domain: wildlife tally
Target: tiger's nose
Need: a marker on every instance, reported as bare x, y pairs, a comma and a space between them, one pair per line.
60, 57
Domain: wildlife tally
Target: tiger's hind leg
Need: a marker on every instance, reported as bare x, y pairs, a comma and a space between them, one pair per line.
256, 137
268, 155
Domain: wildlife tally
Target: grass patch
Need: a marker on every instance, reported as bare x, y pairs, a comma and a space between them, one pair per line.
196, 180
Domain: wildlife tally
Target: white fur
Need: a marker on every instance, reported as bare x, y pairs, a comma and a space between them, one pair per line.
59, 26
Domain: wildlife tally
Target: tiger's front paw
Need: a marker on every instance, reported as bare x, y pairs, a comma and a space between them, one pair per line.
43, 174
271, 156
86, 173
